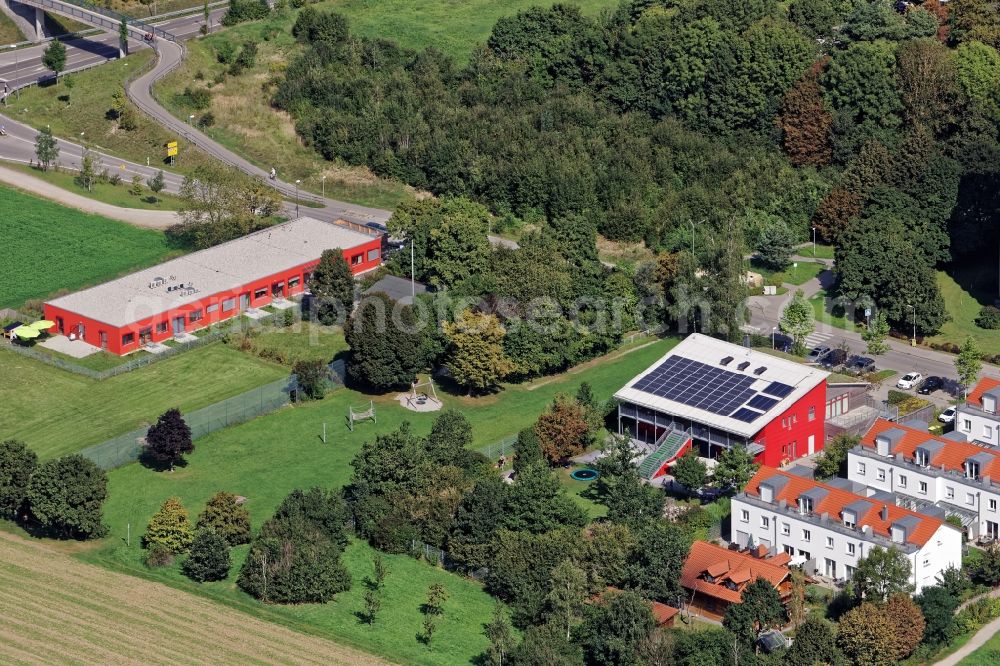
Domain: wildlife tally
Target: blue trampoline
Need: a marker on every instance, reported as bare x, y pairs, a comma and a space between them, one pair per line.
584, 474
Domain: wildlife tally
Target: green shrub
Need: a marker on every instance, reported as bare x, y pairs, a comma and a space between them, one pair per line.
199, 98
209, 557
158, 556
225, 53
207, 119
989, 318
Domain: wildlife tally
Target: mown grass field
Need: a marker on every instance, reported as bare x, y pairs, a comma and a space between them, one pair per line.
797, 273
57, 412
48, 247
268, 457
987, 655
56, 609
965, 290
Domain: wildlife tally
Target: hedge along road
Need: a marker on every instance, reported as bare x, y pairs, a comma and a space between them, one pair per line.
55, 609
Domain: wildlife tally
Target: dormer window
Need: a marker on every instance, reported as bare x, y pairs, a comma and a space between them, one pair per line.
709, 578
766, 493
921, 457
898, 534
805, 505
850, 520
989, 404
732, 586
971, 469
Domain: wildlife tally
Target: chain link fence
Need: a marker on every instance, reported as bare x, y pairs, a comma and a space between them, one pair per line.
127, 448
441, 558
503, 447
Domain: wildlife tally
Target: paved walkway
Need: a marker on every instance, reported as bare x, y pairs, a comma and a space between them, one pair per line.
976, 642
153, 219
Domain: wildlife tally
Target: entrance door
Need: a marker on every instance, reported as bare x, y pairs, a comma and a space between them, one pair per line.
278, 289
812, 444
104, 340
59, 325
178, 325
244, 301
831, 568
80, 331
992, 530
145, 336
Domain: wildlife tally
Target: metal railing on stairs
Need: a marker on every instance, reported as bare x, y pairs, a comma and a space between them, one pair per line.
667, 446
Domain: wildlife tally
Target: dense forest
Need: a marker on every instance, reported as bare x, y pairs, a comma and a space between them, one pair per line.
697, 126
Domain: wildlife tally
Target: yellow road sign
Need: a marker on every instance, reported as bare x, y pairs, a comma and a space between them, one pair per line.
171, 144
171, 151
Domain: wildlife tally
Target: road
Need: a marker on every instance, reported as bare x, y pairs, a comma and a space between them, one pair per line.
765, 311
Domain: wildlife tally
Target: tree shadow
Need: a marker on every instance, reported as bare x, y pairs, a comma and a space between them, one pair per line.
149, 461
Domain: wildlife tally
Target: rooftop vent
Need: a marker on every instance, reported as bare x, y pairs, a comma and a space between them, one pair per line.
743, 366
726, 361
759, 371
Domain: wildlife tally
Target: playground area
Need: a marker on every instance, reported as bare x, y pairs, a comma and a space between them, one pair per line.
422, 397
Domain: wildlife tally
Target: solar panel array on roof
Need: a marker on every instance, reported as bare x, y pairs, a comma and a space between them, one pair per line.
698, 385
778, 389
762, 402
746, 415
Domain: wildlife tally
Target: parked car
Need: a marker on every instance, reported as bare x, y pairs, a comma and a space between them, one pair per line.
861, 365
948, 415
931, 384
909, 380
834, 359
818, 353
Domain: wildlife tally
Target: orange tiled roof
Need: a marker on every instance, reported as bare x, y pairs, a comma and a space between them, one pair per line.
738, 567
663, 613
952, 455
976, 395
836, 499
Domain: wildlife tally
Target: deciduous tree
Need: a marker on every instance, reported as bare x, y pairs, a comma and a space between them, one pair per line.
476, 358
690, 471
450, 436
938, 608
169, 438
332, 287
875, 335
806, 123
46, 148
968, 363
563, 430
65, 496
565, 600
816, 643
881, 574
620, 488
500, 635
54, 57
615, 629
734, 468
17, 464
907, 624
798, 320
865, 636
383, 354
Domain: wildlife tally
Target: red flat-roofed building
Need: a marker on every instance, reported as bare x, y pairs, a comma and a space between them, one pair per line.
953, 476
715, 577
828, 527
713, 395
202, 288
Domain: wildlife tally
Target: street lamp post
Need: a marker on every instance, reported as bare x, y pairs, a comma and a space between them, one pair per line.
913, 341
191, 119
774, 329
17, 69
324, 187
413, 281
814, 241
297, 197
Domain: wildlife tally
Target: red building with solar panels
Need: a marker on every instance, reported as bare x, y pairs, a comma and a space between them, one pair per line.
712, 395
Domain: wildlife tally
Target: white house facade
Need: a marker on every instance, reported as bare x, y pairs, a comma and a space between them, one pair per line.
828, 529
959, 478
977, 420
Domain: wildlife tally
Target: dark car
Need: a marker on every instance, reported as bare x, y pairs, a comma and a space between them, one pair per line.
930, 385
861, 365
834, 359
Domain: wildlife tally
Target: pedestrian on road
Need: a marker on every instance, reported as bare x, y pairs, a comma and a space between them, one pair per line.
273, 173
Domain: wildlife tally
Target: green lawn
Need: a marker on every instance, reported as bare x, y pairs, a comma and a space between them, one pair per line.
48, 247
116, 195
451, 26
56, 412
965, 290
581, 493
798, 273
827, 311
301, 341
266, 458
821, 252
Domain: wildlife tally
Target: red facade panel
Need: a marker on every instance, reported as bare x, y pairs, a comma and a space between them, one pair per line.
796, 432
205, 311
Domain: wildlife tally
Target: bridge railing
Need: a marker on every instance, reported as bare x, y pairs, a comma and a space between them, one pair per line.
86, 11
